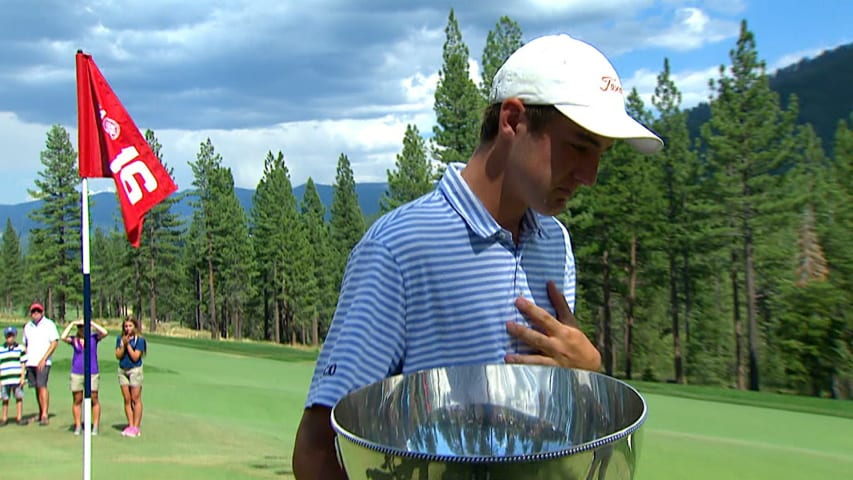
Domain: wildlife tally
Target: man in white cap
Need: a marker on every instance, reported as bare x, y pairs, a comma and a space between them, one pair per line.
479, 271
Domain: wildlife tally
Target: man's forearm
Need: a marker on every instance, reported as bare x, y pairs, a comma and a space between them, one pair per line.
50, 351
318, 464
314, 454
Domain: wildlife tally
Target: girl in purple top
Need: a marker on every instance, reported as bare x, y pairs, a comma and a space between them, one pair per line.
77, 342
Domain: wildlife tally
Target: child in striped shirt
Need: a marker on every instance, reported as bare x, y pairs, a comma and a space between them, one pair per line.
12, 374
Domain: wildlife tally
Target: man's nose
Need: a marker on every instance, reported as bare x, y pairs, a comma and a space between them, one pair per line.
587, 169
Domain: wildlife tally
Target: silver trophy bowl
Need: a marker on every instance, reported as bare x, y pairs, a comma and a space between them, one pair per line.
491, 422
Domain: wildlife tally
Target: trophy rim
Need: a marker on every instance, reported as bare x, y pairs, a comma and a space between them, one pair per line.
466, 459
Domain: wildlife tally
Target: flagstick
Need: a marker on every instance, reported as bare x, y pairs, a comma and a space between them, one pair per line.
87, 335
123, 155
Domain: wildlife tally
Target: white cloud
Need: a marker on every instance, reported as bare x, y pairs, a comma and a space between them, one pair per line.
417, 50
420, 89
692, 28
728, 7
474, 72
693, 85
40, 74
644, 81
311, 148
694, 19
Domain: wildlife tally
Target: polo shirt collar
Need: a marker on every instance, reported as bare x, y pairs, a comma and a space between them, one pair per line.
473, 212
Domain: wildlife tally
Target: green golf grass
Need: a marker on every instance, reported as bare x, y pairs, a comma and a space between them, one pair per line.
232, 413
208, 415
695, 439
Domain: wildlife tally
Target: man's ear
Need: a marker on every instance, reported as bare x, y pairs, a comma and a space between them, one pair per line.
511, 115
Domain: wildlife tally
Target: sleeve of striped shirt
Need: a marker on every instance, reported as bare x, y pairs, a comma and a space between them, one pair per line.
366, 341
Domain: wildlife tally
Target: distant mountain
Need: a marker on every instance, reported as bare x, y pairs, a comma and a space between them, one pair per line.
104, 213
822, 85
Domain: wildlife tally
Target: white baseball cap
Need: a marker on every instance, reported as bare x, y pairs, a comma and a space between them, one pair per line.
579, 81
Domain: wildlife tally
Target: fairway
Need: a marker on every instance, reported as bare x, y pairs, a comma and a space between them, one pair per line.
233, 414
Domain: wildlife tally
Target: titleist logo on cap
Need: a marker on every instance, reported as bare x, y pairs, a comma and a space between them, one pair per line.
610, 84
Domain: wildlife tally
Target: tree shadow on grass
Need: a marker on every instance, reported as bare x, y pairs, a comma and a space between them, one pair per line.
152, 368
270, 351
276, 464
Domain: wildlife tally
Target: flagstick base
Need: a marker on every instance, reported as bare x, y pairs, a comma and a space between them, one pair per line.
87, 438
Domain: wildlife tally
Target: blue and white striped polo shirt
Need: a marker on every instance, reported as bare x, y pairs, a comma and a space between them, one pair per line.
432, 284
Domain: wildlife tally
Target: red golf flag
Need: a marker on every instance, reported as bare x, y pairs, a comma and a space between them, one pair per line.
111, 146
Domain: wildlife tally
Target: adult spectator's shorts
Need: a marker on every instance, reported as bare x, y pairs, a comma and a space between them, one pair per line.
77, 382
36, 378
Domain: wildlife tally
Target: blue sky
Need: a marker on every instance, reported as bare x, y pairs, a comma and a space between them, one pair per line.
317, 79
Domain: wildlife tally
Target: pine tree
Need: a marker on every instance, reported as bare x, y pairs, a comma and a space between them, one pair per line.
676, 160
159, 249
232, 254
56, 258
811, 262
317, 233
610, 224
347, 222
107, 272
749, 138
195, 269
127, 293
500, 44
812, 342
458, 104
413, 176
274, 221
304, 286
134, 266
639, 212
837, 230
264, 224
204, 170
686, 238
809, 185
812, 309
813, 336
11, 269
